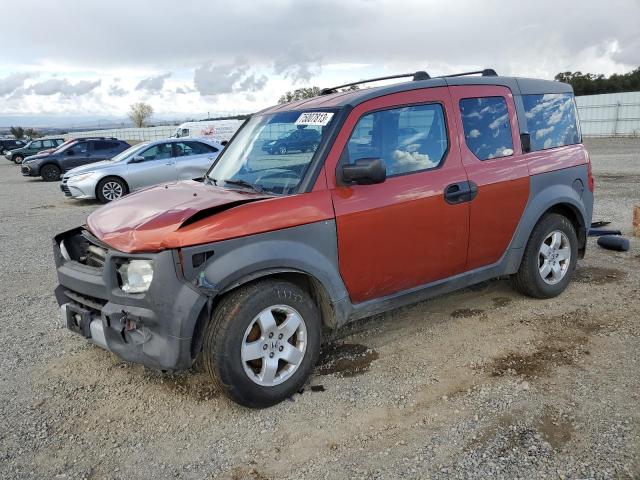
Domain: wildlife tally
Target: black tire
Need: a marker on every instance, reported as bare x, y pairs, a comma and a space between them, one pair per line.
529, 280
225, 334
282, 150
105, 198
50, 173
17, 159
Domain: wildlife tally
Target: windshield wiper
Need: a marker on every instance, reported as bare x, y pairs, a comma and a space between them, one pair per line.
244, 183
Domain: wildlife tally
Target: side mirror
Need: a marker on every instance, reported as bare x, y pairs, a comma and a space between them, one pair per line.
525, 141
365, 171
136, 159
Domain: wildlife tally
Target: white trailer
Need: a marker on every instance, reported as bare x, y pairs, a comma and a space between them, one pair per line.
220, 130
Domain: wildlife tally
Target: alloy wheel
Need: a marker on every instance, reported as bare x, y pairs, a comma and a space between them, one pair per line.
554, 257
112, 190
274, 345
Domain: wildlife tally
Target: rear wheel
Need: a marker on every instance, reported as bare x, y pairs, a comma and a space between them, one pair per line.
282, 150
110, 189
262, 342
549, 258
18, 159
50, 173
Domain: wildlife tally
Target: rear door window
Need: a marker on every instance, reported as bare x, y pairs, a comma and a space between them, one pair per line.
47, 143
187, 149
407, 139
157, 152
552, 120
487, 130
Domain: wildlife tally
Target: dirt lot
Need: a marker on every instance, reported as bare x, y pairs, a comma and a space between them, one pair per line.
483, 383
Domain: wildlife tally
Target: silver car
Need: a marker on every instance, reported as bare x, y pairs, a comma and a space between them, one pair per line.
142, 165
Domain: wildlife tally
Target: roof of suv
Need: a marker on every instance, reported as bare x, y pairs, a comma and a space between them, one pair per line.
518, 85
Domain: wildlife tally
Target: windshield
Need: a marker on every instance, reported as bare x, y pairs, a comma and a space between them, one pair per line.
129, 152
272, 152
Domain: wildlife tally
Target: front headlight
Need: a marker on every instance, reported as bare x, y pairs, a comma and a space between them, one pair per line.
82, 176
136, 276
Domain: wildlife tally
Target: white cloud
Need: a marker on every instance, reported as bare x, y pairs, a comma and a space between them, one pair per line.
12, 82
475, 133
543, 131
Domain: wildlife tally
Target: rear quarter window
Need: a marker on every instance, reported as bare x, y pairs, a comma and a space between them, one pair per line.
487, 130
552, 120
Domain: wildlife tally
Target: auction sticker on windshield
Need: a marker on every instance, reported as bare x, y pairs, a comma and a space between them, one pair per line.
314, 118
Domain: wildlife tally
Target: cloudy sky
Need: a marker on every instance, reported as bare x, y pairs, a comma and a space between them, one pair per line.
84, 59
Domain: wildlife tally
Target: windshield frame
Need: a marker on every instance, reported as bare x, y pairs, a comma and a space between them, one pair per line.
317, 160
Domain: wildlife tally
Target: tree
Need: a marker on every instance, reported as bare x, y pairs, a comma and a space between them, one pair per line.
17, 132
299, 94
592, 84
139, 113
32, 133
308, 92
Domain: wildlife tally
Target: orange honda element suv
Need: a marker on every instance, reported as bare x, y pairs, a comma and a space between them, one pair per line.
407, 191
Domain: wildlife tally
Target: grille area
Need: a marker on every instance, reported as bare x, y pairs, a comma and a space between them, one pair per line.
85, 249
90, 303
65, 188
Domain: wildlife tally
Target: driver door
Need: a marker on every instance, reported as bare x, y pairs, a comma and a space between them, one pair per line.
402, 233
157, 166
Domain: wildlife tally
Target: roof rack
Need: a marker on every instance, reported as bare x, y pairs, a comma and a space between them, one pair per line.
487, 72
419, 75
416, 76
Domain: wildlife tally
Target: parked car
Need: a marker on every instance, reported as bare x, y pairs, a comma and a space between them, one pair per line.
10, 144
140, 166
250, 266
298, 139
74, 154
17, 155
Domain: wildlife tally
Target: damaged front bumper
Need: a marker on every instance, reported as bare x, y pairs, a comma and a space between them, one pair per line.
154, 328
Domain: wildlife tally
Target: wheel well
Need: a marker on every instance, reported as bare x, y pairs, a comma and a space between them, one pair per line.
50, 164
126, 185
303, 280
575, 217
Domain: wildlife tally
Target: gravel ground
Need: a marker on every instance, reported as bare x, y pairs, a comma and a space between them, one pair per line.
483, 383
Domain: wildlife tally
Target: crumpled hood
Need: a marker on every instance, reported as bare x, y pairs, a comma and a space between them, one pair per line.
148, 216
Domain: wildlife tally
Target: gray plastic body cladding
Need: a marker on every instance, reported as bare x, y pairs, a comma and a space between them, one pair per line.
165, 315
553, 188
311, 249
546, 190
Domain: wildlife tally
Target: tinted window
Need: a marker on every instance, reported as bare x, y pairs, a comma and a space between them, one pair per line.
157, 152
37, 144
487, 130
59, 141
407, 139
104, 145
551, 120
185, 149
47, 143
80, 148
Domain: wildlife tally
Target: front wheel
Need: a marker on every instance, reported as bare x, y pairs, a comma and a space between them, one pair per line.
109, 189
549, 258
50, 173
18, 159
262, 342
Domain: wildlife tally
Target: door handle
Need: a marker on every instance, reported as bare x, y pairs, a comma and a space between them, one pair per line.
170, 163
460, 192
